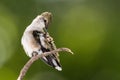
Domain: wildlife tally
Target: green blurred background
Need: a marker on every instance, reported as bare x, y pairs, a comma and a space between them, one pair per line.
90, 28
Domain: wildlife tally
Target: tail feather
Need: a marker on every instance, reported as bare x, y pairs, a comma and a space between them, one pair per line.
52, 61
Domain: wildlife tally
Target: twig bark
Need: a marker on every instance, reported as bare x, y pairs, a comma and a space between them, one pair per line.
34, 58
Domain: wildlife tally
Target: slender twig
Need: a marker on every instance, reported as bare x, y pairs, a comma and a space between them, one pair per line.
34, 58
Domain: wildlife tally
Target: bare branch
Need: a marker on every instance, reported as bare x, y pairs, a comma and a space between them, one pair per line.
34, 58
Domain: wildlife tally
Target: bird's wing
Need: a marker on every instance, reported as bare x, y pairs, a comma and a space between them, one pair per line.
53, 47
51, 43
47, 46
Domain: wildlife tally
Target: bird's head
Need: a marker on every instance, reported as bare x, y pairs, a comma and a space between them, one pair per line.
47, 17
42, 20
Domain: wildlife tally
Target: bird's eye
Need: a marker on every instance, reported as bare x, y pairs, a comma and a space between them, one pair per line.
45, 20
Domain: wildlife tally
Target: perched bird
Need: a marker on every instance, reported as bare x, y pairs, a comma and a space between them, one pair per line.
36, 40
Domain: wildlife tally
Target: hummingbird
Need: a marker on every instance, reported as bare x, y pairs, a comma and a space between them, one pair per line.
36, 40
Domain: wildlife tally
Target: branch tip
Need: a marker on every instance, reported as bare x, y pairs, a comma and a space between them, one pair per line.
67, 50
